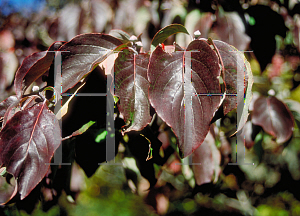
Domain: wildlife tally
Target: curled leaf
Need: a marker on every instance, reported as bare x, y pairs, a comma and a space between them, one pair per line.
165, 32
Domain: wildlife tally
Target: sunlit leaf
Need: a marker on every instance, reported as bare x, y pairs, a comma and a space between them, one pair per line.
236, 75
27, 144
38, 63
165, 32
131, 85
247, 99
33, 67
168, 88
101, 136
120, 34
82, 54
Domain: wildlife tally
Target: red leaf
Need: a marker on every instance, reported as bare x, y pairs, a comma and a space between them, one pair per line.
27, 144
82, 54
274, 117
33, 67
28, 63
249, 133
236, 75
206, 160
167, 92
4, 105
131, 85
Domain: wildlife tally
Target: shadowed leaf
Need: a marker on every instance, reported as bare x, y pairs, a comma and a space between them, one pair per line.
206, 160
249, 133
274, 117
27, 144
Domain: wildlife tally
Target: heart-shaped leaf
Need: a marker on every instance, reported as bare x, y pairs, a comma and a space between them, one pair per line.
27, 144
236, 75
206, 161
274, 117
82, 54
131, 85
186, 96
166, 32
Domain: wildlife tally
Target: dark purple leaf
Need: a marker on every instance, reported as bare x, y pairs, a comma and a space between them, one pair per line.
274, 117
236, 75
167, 91
206, 160
131, 85
33, 67
249, 133
27, 144
82, 54
4, 105
24, 103
31, 62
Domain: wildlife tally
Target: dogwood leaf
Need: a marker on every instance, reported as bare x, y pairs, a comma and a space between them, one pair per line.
27, 144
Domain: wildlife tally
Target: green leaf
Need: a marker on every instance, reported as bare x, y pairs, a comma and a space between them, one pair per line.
166, 32
101, 136
81, 130
85, 127
2, 171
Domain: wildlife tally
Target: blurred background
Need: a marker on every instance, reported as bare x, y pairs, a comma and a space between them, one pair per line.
268, 32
